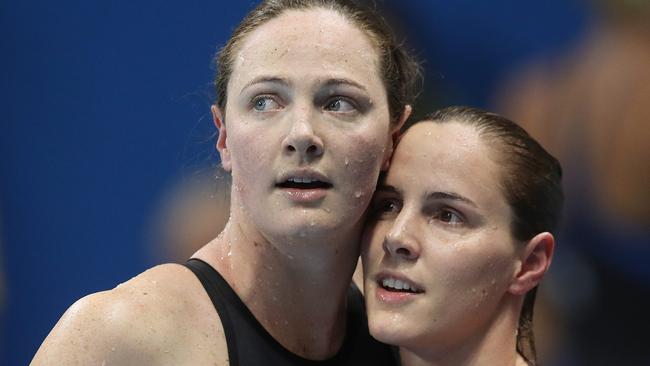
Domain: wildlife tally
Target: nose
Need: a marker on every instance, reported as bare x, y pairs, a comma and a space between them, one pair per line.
301, 139
400, 241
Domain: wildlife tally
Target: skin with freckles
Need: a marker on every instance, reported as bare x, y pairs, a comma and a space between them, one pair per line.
306, 102
305, 98
440, 223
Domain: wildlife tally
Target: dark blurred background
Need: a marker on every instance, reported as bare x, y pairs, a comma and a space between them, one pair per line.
107, 164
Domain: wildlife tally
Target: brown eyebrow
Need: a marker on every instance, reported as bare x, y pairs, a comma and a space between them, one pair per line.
283, 81
388, 188
339, 81
431, 195
450, 196
267, 79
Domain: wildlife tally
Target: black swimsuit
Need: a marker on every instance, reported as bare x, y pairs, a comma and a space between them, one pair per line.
249, 344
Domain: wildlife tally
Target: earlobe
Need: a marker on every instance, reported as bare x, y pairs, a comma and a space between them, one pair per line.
222, 145
394, 134
535, 261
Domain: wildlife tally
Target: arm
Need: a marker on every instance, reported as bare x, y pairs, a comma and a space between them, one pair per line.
162, 316
97, 329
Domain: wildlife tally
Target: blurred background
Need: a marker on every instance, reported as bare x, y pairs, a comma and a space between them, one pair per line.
108, 166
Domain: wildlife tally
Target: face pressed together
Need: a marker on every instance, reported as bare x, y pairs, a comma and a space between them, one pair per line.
305, 133
438, 252
306, 124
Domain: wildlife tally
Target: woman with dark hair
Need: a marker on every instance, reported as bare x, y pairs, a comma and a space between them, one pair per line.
459, 237
309, 96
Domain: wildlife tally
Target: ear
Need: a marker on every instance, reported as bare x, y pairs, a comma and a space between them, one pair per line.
222, 146
536, 258
394, 134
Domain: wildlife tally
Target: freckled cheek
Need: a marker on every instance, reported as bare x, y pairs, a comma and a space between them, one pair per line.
483, 275
362, 162
249, 155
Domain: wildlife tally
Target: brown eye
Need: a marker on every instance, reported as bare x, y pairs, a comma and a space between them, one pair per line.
385, 208
389, 206
450, 217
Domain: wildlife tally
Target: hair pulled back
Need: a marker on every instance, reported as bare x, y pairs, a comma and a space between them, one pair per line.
531, 183
400, 72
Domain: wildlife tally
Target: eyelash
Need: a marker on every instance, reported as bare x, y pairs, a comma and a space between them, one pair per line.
353, 105
333, 100
380, 209
386, 208
258, 98
444, 211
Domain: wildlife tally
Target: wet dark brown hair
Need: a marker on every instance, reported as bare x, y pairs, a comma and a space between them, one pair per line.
531, 183
400, 72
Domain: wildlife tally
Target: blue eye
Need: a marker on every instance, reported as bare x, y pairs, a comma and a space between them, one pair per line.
265, 103
340, 105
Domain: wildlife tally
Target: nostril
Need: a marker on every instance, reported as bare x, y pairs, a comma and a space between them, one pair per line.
311, 149
403, 251
291, 148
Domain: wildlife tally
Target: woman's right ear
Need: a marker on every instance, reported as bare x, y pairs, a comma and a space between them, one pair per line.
222, 143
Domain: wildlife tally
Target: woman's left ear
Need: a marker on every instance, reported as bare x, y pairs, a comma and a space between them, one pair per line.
394, 134
535, 261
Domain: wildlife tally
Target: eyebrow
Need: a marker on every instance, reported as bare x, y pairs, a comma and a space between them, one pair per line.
388, 188
283, 81
431, 195
266, 79
339, 81
450, 196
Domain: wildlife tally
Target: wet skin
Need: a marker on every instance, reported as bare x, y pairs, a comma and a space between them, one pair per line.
440, 224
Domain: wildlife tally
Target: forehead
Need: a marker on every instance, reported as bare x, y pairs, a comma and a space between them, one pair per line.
312, 41
449, 157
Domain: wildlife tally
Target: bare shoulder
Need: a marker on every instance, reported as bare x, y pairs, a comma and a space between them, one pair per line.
162, 316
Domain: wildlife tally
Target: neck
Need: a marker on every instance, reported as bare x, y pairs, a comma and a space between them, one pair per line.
493, 345
297, 291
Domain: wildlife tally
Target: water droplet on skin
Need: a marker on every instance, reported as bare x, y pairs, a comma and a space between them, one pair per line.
358, 194
347, 161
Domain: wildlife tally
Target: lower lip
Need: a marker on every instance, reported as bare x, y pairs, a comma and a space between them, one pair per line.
305, 195
394, 297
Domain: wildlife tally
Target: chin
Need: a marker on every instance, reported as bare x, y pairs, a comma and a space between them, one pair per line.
299, 229
392, 335
384, 329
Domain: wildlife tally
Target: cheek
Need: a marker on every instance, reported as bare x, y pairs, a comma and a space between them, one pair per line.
372, 239
483, 272
249, 153
362, 155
